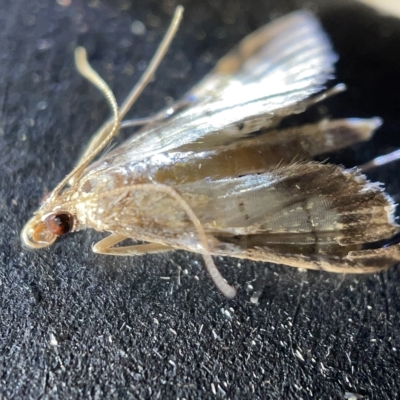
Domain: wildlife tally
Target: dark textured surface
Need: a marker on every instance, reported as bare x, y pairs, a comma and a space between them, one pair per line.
78, 325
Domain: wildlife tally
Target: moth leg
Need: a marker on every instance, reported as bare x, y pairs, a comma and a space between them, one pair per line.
366, 261
381, 160
131, 123
105, 246
162, 115
204, 248
332, 135
274, 147
339, 88
355, 262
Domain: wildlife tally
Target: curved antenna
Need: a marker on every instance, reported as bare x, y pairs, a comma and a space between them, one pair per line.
105, 135
154, 63
90, 74
219, 281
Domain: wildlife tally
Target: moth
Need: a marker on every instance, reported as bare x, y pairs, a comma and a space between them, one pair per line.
216, 173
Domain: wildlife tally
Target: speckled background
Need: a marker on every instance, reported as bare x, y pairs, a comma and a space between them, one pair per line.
78, 325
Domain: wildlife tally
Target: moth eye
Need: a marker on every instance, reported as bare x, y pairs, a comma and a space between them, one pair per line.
59, 224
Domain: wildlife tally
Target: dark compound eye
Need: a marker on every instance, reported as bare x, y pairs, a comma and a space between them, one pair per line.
59, 224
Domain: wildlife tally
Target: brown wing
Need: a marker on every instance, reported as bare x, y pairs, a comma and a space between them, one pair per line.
307, 214
259, 154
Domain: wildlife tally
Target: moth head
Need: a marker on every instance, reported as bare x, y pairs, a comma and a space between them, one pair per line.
49, 223
52, 220
43, 230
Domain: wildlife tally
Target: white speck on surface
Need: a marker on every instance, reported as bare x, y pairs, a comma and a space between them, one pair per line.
64, 3
29, 122
42, 105
44, 44
22, 135
213, 389
53, 340
138, 28
226, 313
352, 396
254, 298
299, 355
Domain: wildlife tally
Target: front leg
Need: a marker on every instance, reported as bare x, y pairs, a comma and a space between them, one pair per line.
105, 246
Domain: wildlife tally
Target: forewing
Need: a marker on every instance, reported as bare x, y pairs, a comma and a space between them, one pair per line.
308, 215
304, 208
264, 79
295, 204
261, 153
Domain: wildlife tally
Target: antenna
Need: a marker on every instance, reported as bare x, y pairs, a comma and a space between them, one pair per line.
105, 135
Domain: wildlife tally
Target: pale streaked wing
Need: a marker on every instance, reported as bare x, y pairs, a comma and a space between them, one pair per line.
296, 202
306, 203
265, 78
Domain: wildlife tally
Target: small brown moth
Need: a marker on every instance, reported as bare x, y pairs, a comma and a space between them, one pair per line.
215, 175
